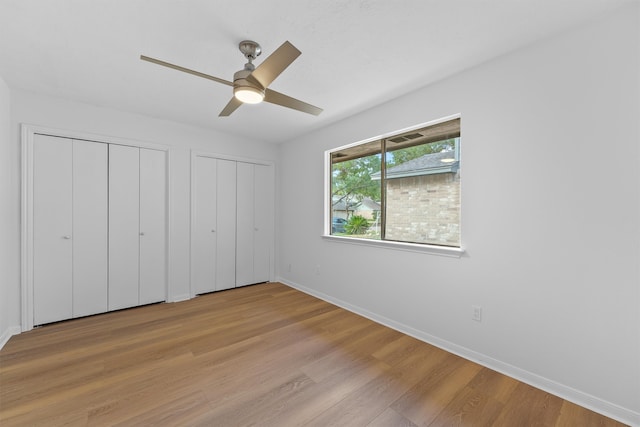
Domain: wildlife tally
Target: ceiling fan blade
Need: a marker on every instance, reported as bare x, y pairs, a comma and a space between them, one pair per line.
185, 70
275, 64
286, 101
231, 106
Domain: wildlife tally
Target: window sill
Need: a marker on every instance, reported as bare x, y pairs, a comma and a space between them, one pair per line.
400, 246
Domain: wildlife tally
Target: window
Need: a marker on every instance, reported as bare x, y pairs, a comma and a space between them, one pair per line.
403, 187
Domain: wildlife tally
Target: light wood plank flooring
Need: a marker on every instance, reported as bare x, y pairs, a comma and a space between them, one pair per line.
260, 355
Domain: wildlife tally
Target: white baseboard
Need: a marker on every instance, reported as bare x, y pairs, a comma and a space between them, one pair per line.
178, 298
8, 333
586, 400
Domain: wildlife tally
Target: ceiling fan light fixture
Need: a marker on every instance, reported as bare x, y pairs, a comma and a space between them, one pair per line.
248, 94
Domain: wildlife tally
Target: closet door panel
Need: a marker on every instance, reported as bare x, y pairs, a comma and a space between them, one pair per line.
245, 225
152, 226
124, 214
90, 184
205, 223
263, 223
52, 229
226, 230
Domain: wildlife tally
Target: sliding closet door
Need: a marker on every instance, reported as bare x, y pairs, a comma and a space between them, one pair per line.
89, 228
263, 222
97, 227
245, 225
255, 223
52, 229
204, 225
226, 230
124, 214
232, 228
152, 226
70, 228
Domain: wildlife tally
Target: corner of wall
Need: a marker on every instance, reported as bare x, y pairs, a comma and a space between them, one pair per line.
9, 221
8, 333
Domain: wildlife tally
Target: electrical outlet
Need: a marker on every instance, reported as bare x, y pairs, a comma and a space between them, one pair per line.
289, 268
476, 313
318, 269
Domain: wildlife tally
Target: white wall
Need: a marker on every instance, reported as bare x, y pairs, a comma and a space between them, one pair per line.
9, 221
62, 114
550, 218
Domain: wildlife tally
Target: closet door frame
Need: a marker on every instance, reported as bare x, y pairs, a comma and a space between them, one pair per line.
27, 135
271, 207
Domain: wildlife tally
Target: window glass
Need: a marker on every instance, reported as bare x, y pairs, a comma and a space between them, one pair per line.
355, 195
404, 188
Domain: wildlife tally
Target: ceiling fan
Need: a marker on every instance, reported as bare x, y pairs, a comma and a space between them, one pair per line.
250, 85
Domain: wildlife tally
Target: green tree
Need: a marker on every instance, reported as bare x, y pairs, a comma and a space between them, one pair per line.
351, 180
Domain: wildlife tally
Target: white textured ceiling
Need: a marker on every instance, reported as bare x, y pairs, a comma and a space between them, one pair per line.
355, 53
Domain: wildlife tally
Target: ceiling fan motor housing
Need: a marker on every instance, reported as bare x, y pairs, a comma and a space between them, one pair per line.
242, 81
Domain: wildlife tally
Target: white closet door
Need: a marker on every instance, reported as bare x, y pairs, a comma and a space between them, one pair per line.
204, 232
52, 229
124, 214
89, 228
245, 225
226, 230
263, 223
152, 226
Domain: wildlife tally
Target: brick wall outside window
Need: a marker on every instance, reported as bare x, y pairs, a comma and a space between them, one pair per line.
424, 209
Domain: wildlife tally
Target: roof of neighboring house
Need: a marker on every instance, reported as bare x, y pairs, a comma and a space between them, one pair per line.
365, 204
341, 205
425, 165
368, 204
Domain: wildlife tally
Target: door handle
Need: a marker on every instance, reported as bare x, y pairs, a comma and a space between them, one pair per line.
66, 237
142, 233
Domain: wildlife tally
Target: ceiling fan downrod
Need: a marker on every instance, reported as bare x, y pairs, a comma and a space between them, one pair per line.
251, 50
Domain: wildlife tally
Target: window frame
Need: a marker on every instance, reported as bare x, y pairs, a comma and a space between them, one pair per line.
441, 250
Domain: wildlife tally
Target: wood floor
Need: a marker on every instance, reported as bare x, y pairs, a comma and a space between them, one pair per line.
260, 355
